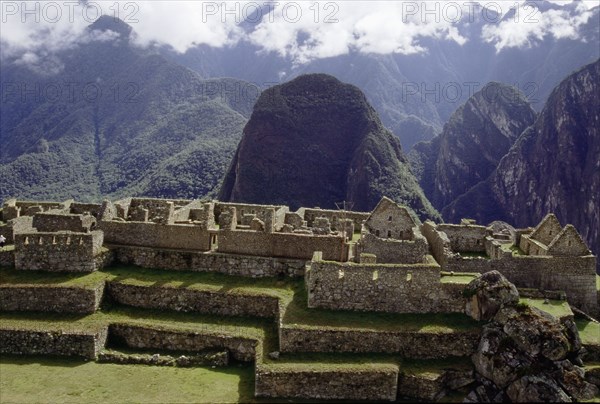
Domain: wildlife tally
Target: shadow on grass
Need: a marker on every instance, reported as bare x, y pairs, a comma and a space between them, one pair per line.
42, 360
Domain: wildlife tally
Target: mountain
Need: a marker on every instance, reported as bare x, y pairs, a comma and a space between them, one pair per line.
315, 141
553, 167
415, 94
112, 120
477, 136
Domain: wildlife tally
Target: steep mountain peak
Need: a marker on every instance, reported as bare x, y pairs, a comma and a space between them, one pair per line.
477, 136
107, 23
553, 166
315, 141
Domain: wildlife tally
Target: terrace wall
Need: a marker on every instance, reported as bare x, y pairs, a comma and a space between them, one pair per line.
50, 299
237, 265
137, 336
409, 344
191, 300
378, 383
61, 343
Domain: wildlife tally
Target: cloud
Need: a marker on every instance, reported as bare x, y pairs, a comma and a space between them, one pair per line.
332, 29
531, 25
299, 30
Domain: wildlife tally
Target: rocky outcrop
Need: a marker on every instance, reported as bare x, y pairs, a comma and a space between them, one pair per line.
525, 354
488, 293
315, 141
553, 167
473, 142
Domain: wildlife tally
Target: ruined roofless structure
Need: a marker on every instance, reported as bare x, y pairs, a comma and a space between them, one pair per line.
339, 269
385, 260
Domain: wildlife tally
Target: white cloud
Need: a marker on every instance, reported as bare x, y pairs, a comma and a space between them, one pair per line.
531, 25
300, 30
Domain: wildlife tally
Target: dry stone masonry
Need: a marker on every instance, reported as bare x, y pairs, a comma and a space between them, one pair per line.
384, 261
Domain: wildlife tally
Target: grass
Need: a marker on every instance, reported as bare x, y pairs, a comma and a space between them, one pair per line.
8, 247
458, 277
512, 248
281, 288
589, 331
558, 308
237, 326
474, 255
42, 380
18, 278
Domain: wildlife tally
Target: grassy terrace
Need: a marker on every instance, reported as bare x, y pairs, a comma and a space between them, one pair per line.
558, 308
72, 381
458, 277
589, 331
297, 314
87, 281
474, 255
512, 248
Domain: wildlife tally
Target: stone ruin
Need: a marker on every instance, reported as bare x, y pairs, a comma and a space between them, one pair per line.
383, 261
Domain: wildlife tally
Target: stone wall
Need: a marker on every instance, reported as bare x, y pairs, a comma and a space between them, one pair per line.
83, 208
159, 211
237, 265
23, 224
53, 222
378, 383
390, 220
50, 298
7, 257
180, 236
13, 209
399, 288
392, 250
143, 337
410, 345
62, 343
190, 300
439, 243
334, 216
261, 211
58, 252
576, 276
465, 238
283, 245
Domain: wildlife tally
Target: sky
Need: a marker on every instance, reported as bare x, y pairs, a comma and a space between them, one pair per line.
299, 30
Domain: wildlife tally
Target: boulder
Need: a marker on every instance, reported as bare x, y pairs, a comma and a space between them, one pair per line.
487, 294
535, 389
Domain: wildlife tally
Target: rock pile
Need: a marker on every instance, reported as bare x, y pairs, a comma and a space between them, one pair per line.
525, 354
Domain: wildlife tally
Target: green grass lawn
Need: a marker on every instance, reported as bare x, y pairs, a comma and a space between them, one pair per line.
558, 308
44, 380
14, 277
458, 277
589, 331
282, 288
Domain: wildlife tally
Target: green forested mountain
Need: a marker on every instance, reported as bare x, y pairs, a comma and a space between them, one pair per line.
116, 120
315, 141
